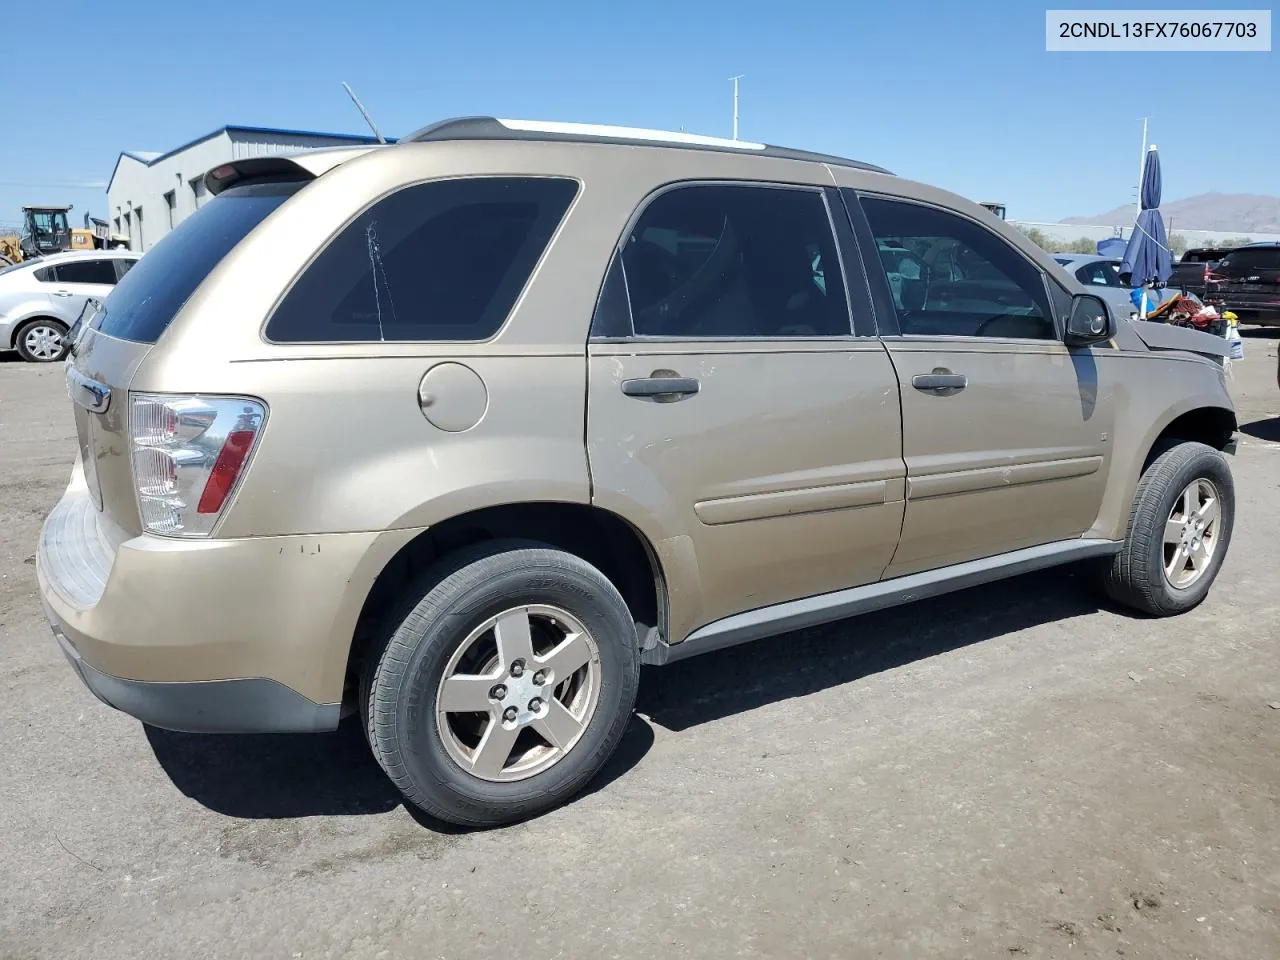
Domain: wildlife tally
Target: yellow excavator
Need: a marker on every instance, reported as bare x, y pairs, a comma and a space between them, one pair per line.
47, 230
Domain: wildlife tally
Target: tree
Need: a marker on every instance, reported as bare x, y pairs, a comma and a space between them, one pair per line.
1078, 245
1037, 236
1178, 244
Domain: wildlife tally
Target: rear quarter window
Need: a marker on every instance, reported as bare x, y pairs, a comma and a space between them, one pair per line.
444, 260
155, 288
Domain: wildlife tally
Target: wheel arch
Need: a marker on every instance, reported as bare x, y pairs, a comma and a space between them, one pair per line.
23, 321
1199, 417
602, 538
1211, 424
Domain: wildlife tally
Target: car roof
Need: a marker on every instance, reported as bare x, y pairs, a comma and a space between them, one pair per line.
315, 163
495, 128
67, 255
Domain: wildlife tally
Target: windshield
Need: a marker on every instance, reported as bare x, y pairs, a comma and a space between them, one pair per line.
155, 289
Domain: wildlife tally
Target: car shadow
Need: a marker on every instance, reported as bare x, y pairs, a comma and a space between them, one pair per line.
270, 776
1266, 429
334, 774
278, 776
715, 685
1259, 333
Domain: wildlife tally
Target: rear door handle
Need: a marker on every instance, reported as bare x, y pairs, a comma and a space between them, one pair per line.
661, 387
63, 293
939, 382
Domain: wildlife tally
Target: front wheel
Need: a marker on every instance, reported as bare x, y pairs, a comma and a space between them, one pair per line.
506, 687
41, 341
1179, 530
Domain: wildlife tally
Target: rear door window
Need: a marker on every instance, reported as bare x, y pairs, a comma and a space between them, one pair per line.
101, 272
444, 260
144, 302
736, 261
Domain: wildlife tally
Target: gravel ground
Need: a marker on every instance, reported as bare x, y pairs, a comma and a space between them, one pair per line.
1014, 771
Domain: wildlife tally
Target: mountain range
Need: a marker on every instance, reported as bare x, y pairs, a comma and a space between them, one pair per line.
1235, 212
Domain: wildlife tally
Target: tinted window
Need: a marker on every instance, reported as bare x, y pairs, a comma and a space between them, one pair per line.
1200, 256
146, 300
45, 275
438, 261
1099, 274
950, 277
85, 271
124, 265
735, 261
1257, 258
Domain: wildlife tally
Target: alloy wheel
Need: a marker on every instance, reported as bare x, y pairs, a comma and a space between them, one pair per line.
1191, 534
518, 693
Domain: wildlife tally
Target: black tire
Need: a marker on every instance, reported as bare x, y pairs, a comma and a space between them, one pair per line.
1136, 576
21, 335
399, 684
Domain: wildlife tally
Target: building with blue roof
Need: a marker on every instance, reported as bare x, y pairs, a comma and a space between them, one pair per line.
150, 193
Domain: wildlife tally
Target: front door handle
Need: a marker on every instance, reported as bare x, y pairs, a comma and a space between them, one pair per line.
941, 382
661, 388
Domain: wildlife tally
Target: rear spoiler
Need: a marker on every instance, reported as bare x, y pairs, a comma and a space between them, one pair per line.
291, 167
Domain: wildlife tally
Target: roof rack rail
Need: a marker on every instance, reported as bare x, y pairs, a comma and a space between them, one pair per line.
493, 128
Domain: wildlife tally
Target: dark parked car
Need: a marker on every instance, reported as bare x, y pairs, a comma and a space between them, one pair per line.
1192, 269
1247, 281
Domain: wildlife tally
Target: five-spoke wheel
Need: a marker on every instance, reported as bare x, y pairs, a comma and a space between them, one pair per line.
529, 704
506, 687
1179, 529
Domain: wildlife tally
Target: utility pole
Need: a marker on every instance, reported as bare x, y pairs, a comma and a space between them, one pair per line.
735, 103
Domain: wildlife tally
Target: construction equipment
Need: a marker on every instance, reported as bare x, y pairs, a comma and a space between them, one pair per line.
46, 230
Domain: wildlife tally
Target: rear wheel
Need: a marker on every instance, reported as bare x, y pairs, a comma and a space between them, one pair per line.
1179, 530
506, 687
41, 341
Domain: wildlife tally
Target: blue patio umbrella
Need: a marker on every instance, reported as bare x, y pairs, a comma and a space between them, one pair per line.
1146, 258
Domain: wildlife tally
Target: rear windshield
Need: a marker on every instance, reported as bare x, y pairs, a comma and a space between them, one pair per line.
154, 290
18, 266
1200, 256
1264, 258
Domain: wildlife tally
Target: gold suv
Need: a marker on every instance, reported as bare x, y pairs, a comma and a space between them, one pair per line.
456, 433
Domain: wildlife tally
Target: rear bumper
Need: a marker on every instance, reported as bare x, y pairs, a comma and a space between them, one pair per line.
213, 706
245, 635
1262, 305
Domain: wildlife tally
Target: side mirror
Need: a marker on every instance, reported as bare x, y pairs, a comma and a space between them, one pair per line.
1089, 322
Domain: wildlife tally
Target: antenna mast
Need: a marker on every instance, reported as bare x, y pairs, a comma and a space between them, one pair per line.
363, 112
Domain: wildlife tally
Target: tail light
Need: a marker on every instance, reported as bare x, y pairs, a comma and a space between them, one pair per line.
188, 453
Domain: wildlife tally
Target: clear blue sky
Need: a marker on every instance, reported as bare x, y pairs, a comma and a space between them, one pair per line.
962, 95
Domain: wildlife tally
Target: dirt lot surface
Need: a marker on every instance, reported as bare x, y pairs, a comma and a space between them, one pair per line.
1014, 771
